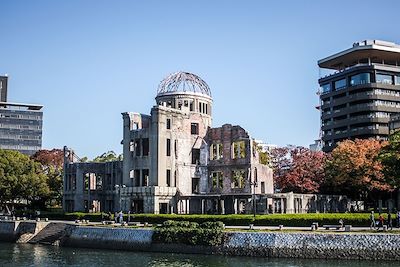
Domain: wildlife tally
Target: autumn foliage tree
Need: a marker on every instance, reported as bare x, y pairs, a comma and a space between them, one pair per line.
354, 169
298, 169
52, 165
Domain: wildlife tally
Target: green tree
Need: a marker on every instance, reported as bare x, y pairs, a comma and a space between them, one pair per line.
21, 178
108, 156
390, 158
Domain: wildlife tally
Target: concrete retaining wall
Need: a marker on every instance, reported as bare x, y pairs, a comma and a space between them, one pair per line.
310, 245
112, 238
260, 244
11, 230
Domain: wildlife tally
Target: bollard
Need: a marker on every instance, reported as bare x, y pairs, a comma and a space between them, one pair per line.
46, 219
280, 227
38, 219
385, 228
347, 228
313, 227
251, 226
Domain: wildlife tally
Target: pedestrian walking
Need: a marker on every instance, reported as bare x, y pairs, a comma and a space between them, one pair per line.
372, 220
381, 221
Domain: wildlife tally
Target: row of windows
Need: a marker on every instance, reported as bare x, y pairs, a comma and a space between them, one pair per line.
202, 106
238, 179
19, 147
21, 116
17, 126
18, 137
361, 78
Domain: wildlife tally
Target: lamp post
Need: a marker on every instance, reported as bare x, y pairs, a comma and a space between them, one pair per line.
117, 186
254, 184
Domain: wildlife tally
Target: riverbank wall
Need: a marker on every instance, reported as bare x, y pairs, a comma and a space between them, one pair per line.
372, 246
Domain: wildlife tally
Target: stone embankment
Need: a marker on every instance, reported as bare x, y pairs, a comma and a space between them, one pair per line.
261, 244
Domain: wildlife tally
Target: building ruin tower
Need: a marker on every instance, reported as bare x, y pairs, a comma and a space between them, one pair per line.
162, 151
361, 94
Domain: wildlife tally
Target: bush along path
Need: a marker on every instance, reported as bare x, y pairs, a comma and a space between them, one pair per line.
290, 220
190, 233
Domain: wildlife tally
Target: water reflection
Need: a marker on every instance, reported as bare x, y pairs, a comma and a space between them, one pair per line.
35, 255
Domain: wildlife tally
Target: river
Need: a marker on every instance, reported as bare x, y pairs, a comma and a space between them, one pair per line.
37, 255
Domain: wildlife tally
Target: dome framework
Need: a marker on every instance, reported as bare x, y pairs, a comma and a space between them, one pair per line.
183, 82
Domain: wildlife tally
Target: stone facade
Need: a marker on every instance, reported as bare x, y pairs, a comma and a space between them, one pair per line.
173, 161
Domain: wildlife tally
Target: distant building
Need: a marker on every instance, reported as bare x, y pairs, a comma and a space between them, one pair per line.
264, 146
20, 124
394, 123
317, 146
359, 97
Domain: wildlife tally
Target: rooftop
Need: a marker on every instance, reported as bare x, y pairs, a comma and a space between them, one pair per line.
368, 50
183, 82
21, 105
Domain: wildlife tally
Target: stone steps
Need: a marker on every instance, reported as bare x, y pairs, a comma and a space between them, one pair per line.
50, 234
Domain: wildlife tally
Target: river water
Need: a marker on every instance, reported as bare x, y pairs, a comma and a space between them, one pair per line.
37, 255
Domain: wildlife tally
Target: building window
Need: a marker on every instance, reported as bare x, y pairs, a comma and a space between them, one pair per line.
340, 84
384, 78
195, 156
238, 149
145, 177
194, 128
168, 147
216, 151
176, 148
137, 147
136, 178
145, 146
326, 88
168, 178
217, 180
262, 187
362, 78
238, 179
168, 124
397, 80
195, 185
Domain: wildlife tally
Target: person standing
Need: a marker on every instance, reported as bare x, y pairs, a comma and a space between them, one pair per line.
398, 219
389, 221
121, 217
372, 220
381, 221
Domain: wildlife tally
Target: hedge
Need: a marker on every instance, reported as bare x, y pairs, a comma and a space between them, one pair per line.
190, 233
355, 219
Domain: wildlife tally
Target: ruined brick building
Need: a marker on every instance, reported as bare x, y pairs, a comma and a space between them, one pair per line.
175, 162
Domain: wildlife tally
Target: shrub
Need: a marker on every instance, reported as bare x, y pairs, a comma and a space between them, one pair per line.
190, 233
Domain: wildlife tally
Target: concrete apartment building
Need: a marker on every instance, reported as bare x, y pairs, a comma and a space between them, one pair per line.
362, 93
173, 161
20, 124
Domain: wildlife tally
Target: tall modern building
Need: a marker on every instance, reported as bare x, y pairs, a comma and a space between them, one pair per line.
361, 93
20, 124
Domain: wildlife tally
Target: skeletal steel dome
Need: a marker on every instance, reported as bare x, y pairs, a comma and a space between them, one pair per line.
182, 82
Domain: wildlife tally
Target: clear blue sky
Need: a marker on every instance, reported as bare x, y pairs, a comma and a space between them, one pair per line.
88, 61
